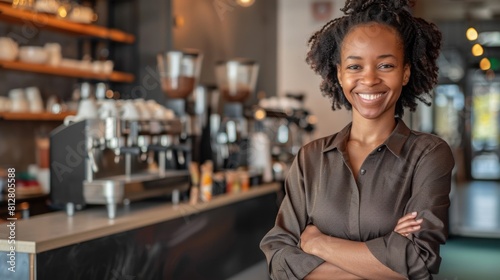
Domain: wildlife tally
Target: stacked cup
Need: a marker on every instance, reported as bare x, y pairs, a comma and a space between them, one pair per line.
34, 99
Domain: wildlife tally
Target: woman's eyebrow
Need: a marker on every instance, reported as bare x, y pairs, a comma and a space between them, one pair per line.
354, 57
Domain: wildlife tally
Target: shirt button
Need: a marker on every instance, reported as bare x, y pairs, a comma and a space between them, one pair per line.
379, 149
362, 171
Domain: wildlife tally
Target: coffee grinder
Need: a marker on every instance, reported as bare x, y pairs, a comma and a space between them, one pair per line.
179, 72
236, 80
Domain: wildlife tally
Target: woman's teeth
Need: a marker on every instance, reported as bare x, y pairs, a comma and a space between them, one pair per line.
369, 96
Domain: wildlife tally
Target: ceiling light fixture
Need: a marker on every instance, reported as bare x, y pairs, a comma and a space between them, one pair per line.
245, 3
485, 64
477, 50
471, 34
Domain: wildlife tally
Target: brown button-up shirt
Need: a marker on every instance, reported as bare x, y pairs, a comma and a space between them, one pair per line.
410, 171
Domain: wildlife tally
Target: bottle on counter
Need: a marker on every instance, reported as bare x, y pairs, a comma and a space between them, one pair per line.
194, 192
206, 181
260, 155
244, 181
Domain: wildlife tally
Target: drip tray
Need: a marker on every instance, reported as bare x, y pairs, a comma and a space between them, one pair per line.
120, 189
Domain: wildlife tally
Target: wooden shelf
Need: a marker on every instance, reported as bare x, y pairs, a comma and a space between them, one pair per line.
45, 116
46, 21
66, 72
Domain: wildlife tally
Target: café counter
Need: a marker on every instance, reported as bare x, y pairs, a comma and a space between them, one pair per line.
146, 240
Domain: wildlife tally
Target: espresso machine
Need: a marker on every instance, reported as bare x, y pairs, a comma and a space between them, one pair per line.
288, 125
179, 72
236, 80
106, 160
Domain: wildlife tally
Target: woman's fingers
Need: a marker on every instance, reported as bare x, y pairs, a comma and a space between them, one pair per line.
408, 229
408, 224
408, 216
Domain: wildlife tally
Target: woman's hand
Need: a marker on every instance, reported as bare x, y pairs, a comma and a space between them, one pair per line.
310, 234
407, 224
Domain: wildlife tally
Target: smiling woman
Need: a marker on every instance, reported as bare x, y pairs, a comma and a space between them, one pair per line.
371, 201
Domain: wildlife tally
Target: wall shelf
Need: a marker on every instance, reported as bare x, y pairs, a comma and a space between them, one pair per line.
46, 21
66, 72
45, 116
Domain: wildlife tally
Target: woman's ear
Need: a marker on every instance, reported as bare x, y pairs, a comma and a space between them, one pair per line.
406, 74
339, 75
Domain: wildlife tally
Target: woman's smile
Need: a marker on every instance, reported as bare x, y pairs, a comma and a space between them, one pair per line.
370, 96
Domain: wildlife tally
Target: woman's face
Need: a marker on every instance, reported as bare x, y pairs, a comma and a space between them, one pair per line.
372, 72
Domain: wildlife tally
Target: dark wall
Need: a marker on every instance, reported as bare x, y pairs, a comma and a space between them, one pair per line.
150, 21
223, 30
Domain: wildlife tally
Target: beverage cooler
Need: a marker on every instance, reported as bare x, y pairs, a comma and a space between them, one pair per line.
484, 121
468, 118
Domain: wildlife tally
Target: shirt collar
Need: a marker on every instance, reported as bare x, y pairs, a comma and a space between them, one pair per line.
394, 143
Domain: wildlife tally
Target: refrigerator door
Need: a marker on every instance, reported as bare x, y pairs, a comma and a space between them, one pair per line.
485, 128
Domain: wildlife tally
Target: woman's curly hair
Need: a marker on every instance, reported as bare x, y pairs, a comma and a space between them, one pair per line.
421, 41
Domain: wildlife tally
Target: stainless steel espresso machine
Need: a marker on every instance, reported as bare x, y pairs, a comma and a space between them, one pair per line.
114, 159
236, 80
179, 72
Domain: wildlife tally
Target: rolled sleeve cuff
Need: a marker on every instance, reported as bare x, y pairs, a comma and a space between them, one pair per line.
293, 263
399, 254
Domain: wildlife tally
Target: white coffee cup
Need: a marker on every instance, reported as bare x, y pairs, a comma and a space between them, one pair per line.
129, 111
19, 103
55, 55
87, 109
97, 66
100, 91
5, 104
155, 109
107, 109
107, 67
34, 99
144, 112
9, 49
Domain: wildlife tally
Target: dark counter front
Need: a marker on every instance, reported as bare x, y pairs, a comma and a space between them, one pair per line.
215, 240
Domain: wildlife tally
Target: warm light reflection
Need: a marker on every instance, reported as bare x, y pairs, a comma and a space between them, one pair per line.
485, 64
477, 50
245, 3
471, 34
62, 12
109, 94
260, 114
179, 21
312, 119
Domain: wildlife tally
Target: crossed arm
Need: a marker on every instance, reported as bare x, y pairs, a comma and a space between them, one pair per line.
355, 261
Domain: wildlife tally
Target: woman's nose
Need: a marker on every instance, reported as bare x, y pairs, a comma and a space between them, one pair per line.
370, 77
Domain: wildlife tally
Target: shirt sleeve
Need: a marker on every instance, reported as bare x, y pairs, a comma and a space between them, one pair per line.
418, 257
280, 245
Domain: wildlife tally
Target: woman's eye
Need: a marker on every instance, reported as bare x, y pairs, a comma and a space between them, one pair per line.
386, 66
353, 67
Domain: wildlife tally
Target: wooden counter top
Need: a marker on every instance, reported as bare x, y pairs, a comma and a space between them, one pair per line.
54, 230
